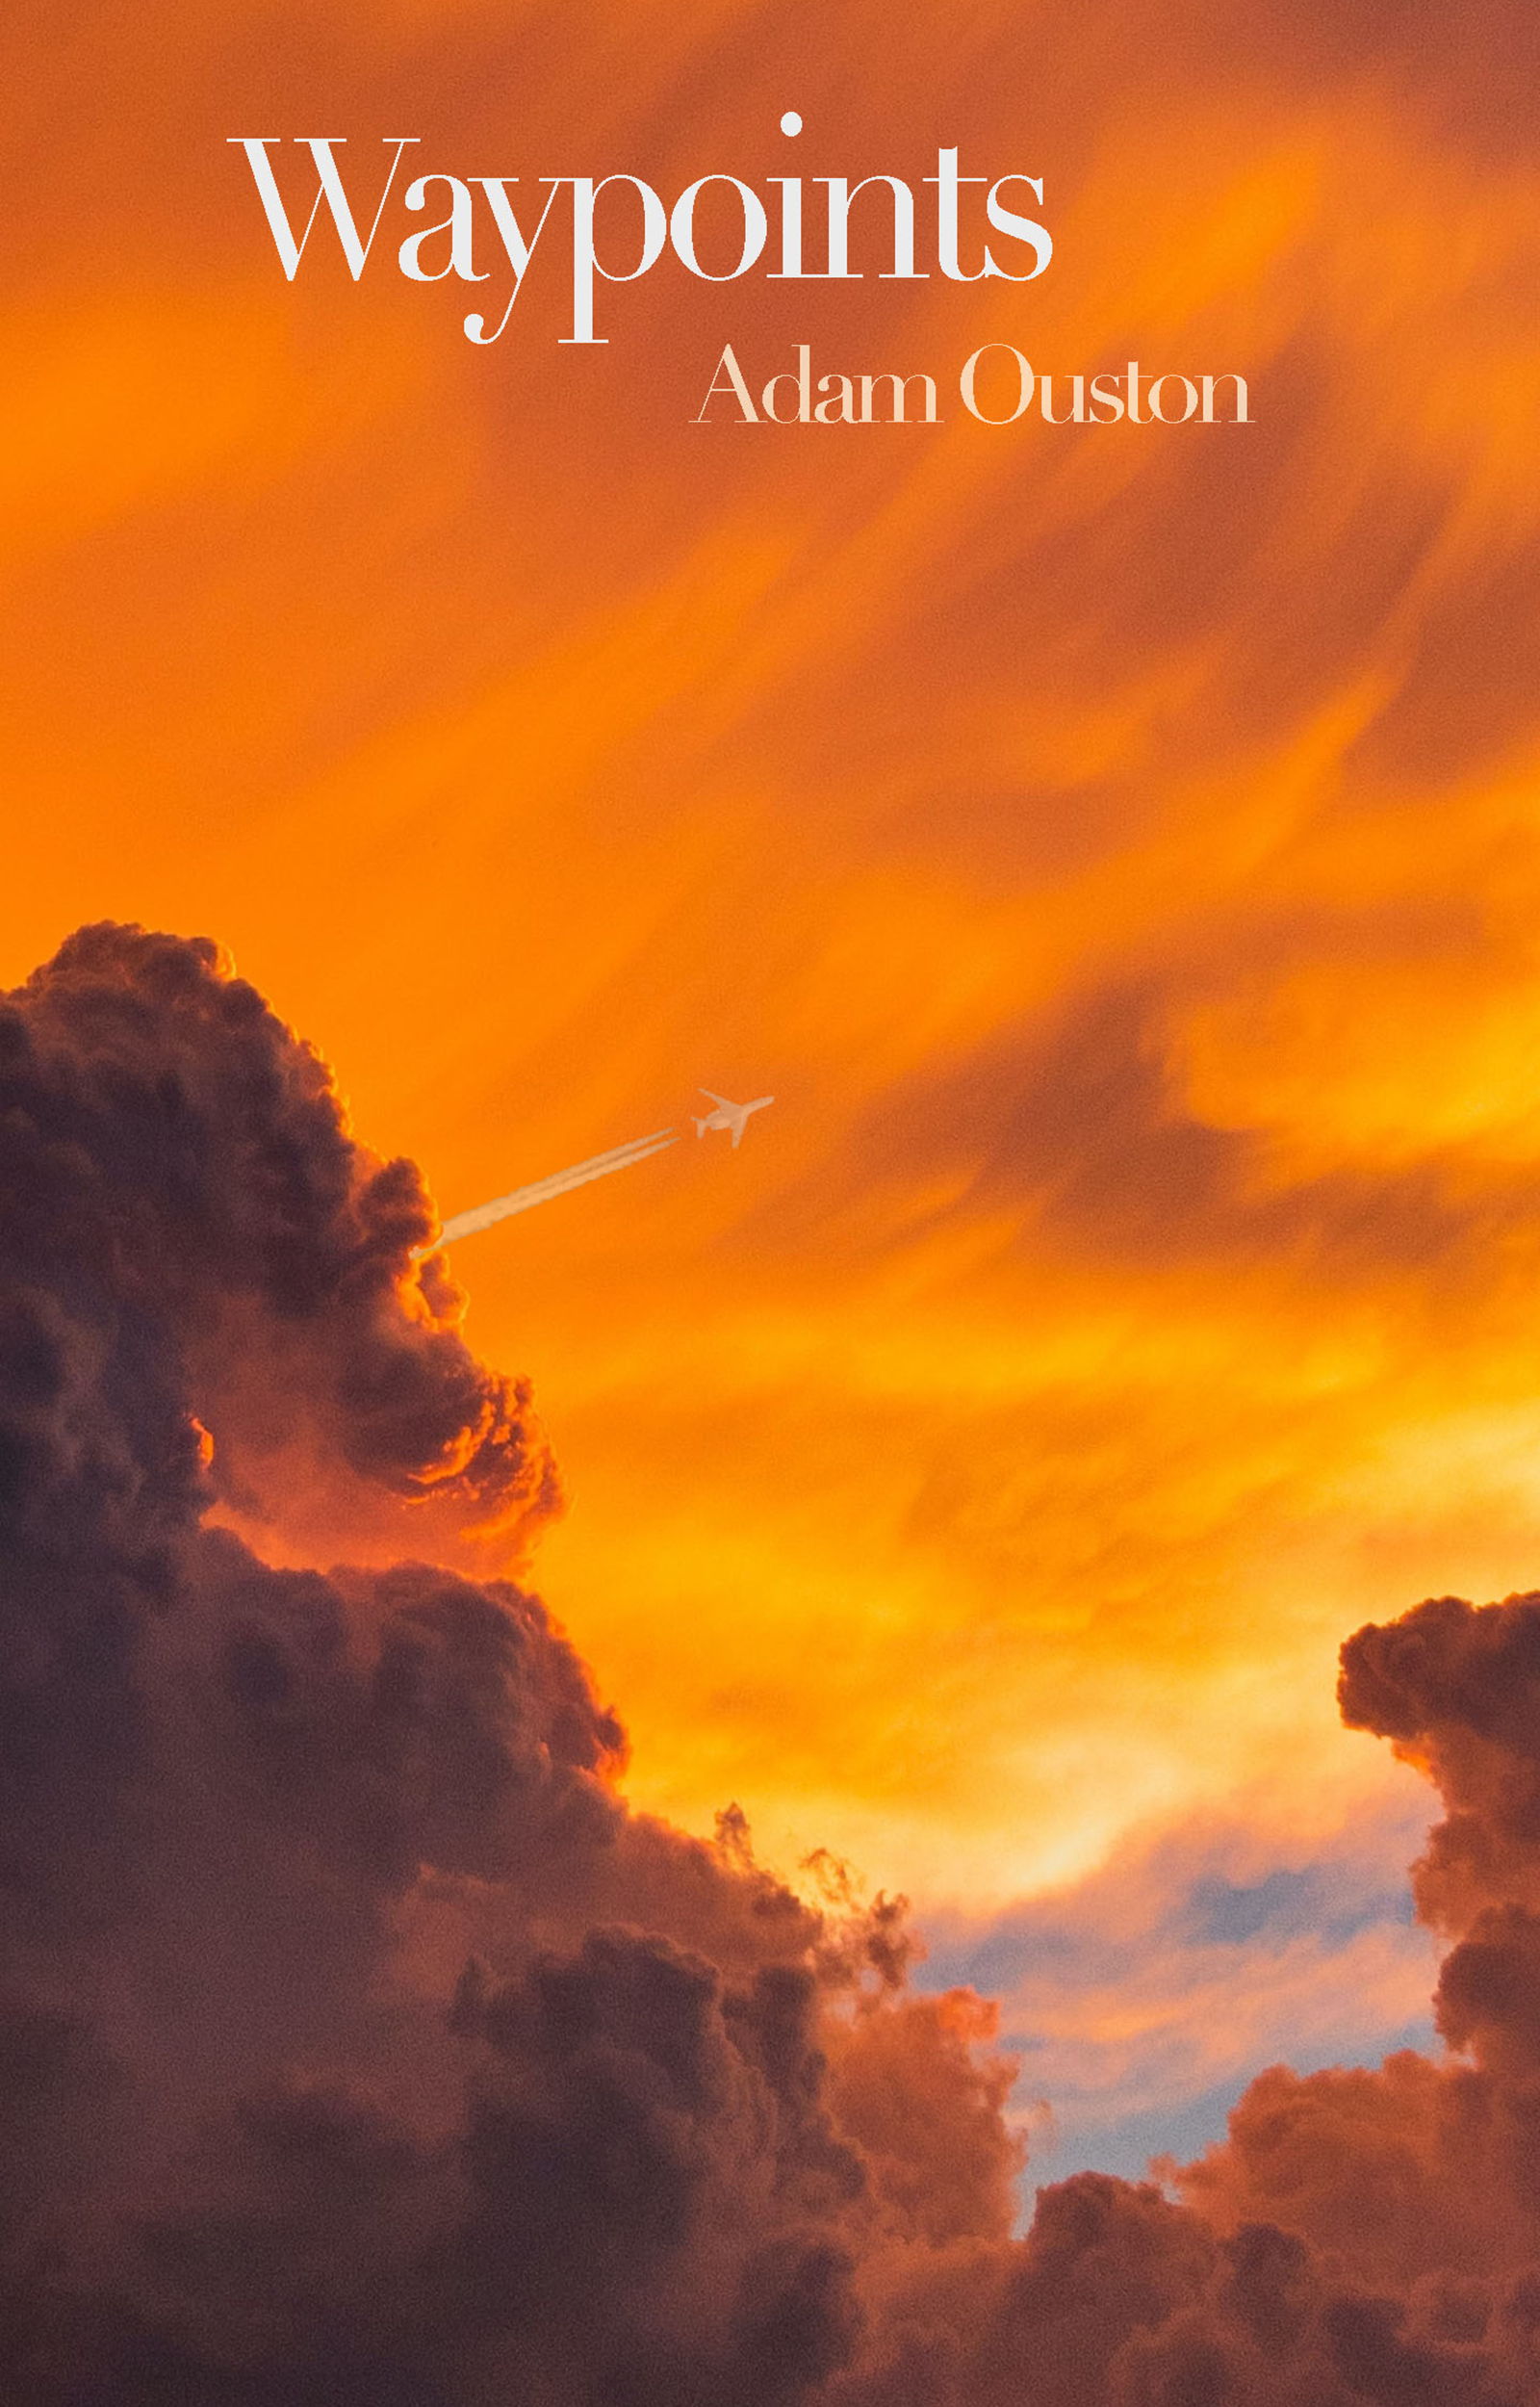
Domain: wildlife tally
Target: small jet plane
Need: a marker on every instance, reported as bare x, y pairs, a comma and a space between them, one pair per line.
734, 1116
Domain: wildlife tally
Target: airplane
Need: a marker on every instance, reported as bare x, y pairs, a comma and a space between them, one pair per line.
734, 1116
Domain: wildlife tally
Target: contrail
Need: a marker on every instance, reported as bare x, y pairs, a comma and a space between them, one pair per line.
525, 1199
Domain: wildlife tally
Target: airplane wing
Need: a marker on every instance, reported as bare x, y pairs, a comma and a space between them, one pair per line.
720, 1099
737, 1131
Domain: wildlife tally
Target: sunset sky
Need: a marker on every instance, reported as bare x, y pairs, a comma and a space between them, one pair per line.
1116, 848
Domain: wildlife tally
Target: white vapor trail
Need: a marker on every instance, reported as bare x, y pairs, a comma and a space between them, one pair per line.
525, 1199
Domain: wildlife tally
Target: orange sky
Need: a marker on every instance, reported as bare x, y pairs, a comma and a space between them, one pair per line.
1117, 849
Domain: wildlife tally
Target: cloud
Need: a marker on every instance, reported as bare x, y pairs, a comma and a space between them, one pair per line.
358, 2044
183, 1187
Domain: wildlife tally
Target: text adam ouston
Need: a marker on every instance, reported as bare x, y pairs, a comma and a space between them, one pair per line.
997, 385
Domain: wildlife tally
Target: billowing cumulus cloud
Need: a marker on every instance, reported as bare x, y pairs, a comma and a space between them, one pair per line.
170, 1137
357, 2044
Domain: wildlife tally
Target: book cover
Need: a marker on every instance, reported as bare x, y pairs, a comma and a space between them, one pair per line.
768, 1228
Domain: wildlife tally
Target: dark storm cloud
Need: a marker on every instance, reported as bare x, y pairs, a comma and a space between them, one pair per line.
354, 2042
358, 2047
169, 1136
1459, 1692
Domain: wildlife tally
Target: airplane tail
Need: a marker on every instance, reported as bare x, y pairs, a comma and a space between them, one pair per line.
701, 1125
